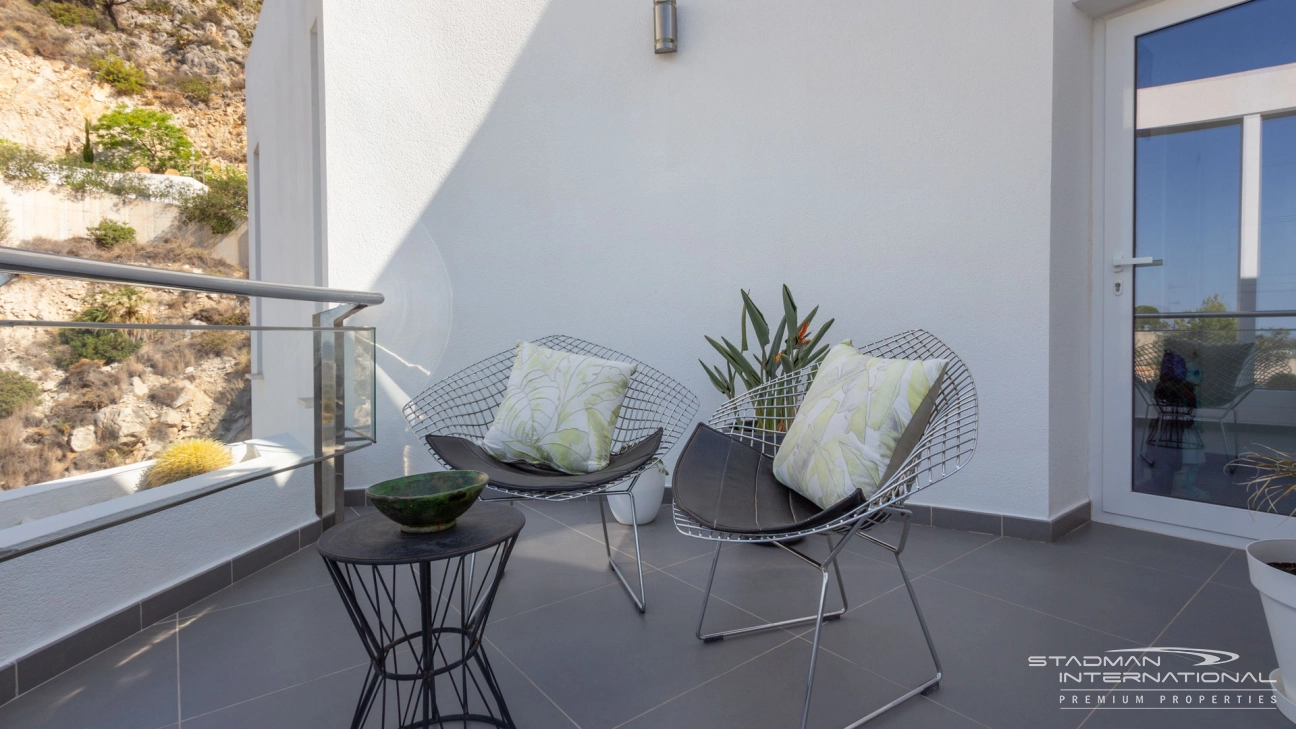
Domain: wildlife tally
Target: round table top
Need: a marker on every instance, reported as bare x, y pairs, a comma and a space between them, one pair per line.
375, 539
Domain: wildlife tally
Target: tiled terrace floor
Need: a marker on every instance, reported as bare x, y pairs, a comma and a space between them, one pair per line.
277, 649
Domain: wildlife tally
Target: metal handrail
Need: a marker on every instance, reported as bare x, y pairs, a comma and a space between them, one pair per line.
1279, 313
33, 263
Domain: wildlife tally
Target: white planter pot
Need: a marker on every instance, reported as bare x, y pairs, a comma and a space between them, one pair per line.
1278, 595
647, 495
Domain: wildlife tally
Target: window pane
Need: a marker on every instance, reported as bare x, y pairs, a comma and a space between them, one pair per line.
1276, 285
1188, 192
1252, 35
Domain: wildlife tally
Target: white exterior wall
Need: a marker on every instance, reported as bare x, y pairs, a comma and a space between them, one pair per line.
280, 205
61, 589
506, 169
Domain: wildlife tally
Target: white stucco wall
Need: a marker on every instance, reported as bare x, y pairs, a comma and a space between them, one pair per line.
58, 590
1070, 353
505, 169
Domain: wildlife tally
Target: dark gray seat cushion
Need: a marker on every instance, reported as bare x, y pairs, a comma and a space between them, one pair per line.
464, 454
727, 485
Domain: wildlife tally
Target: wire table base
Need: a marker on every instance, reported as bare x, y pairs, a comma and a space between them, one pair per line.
420, 604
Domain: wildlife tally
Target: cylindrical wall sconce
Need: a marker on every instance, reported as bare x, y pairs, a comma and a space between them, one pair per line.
664, 19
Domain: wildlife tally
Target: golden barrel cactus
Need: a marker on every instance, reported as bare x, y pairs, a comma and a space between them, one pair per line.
186, 458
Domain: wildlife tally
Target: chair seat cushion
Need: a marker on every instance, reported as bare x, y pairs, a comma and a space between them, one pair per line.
464, 454
729, 486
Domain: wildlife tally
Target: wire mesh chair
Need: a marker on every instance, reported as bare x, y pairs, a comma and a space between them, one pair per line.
1226, 372
758, 419
463, 407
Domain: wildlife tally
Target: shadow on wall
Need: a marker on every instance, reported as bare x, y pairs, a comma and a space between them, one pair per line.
625, 197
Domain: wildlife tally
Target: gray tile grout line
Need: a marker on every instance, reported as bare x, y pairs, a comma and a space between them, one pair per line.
179, 709
1182, 608
531, 681
707, 681
205, 613
279, 690
1037, 611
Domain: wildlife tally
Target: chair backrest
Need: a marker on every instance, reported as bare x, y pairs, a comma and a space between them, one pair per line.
464, 403
761, 416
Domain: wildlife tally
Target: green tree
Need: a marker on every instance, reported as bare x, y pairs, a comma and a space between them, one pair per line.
1210, 304
223, 205
87, 151
1147, 325
130, 138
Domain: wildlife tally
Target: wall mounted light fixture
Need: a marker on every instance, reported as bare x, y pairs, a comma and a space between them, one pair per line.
664, 20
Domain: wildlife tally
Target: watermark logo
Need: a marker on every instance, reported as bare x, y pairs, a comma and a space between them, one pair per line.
1160, 677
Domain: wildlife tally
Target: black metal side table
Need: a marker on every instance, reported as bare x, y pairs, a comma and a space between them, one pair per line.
420, 604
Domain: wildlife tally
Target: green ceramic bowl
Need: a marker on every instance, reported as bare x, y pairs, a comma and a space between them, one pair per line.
427, 502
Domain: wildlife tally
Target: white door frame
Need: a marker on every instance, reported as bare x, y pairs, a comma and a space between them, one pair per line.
1111, 435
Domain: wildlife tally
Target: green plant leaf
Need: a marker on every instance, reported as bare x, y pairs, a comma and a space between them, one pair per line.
725, 388
789, 314
759, 324
771, 366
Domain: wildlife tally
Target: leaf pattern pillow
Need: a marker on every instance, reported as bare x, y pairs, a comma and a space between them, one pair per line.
861, 417
559, 410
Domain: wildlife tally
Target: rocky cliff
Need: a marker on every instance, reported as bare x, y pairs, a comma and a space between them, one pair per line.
190, 51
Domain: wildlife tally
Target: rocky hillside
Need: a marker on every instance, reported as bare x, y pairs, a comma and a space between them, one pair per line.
56, 69
92, 414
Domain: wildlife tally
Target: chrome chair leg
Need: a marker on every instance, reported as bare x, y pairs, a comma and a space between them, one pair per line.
818, 617
640, 600
931, 685
814, 645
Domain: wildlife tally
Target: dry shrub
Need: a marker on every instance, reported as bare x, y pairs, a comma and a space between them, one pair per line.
172, 254
91, 388
227, 313
38, 458
167, 358
166, 394
220, 343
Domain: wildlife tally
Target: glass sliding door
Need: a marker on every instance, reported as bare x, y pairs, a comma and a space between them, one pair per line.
1200, 359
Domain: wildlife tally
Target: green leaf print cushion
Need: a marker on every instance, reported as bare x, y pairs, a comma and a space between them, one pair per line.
860, 419
559, 409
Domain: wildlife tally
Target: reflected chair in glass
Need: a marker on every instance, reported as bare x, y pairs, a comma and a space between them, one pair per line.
453, 416
737, 446
1220, 375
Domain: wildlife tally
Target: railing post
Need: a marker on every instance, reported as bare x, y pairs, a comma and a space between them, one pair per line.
330, 414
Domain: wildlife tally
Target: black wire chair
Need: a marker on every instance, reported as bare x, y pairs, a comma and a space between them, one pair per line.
752, 427
454, 414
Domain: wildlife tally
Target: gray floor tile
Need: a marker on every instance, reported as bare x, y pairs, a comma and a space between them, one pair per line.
1117, 597
774, 585
926, 548
1220, 618
984, 645
1228, 619
129, 686
548, 568
232, 655
329, 703
604, 663
661, 543
574, 513
299, 571
1234, 572
537, 523
1182, 556
769, 692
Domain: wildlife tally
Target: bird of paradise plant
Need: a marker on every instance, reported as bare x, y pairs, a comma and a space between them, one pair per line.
792, 347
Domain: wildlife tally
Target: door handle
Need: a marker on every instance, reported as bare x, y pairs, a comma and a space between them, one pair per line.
1120, 262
